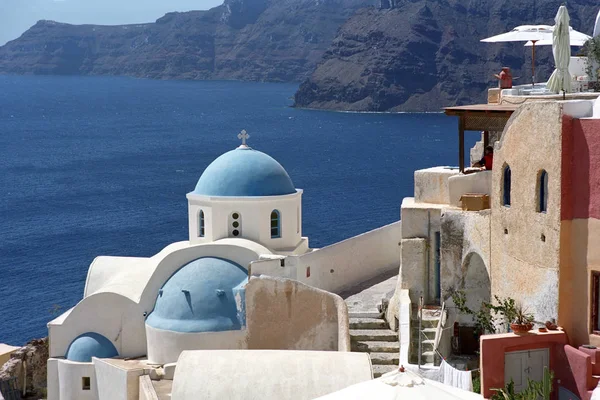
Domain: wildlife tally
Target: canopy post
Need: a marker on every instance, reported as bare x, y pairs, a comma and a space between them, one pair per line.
461, 143
486, 139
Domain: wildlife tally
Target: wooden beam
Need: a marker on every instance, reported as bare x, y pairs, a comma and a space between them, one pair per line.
486, 139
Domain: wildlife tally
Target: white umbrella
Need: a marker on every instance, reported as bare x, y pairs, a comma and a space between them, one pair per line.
525, 33
597, 25
401, 385
576, 38
560, 80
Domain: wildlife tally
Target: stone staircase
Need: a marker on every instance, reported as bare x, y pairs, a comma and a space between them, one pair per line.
370, 333
431, 318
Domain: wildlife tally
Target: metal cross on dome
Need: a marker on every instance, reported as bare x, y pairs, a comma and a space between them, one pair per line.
243, 135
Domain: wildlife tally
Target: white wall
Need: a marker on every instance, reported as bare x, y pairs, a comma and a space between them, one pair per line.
116, 383
115, 317
342, 265
267, 374
53, 384
166, 346
255, 218
70, 376
431, 184
479, 182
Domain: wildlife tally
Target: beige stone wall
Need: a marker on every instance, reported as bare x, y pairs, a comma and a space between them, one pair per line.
575, 288
284, 314
523, 265
466, 256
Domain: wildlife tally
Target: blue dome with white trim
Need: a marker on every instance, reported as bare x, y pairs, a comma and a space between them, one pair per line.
244, 172
89, 345
200, 297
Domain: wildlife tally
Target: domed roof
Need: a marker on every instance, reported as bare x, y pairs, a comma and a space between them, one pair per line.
199, 297
244, 172
89, 345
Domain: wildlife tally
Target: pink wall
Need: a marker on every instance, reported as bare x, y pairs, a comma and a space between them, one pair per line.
493, 348
581, 168
579, 374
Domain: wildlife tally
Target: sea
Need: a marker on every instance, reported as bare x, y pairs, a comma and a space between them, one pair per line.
95, 166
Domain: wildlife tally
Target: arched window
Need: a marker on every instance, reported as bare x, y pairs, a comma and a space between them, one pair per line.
275, 224
201, 224
543, 192
506, 186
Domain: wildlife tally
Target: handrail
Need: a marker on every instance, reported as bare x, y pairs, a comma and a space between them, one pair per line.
438, 332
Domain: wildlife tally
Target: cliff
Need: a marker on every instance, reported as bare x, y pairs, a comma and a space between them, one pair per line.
422, 55
361, 55
263, 40
28, 366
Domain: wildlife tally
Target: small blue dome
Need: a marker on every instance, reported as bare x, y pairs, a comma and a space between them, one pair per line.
89, 345
199, 297
244, 172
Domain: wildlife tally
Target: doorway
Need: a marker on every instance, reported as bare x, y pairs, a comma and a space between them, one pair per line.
520, 366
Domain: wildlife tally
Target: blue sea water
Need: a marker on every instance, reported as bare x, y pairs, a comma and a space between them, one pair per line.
101, 165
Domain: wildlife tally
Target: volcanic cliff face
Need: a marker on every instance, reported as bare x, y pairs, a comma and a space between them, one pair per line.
422, 55
370, 55
241, 39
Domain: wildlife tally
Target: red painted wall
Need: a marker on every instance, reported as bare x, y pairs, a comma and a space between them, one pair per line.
493, 348
579, 373
581, 169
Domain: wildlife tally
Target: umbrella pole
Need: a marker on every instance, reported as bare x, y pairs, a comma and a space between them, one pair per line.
533, 63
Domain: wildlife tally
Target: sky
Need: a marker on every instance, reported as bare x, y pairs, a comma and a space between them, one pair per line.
16, 16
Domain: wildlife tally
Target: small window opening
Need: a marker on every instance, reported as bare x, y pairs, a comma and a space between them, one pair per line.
201, 224
543, 192
505, 231
506, 186
275, 224
235, 224
86, 383
595, 306
543, 238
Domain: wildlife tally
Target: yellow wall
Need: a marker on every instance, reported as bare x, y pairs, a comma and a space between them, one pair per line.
523, 266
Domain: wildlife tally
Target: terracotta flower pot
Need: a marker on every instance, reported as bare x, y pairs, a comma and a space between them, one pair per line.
520, 329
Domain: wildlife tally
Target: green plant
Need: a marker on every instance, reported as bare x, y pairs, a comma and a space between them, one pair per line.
534, 390
488, 315
521, 317
476, 382
591, 49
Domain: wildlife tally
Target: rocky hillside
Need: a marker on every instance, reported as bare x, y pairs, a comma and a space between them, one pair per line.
273, 40
422, 55
369, 55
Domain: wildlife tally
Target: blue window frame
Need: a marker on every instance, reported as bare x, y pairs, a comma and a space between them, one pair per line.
275, 224
543, 192
201, 224
506, 187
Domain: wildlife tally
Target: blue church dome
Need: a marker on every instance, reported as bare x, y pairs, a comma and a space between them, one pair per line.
89, 345
244, 172
200, 297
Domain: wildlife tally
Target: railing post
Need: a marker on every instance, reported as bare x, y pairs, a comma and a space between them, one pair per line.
420, 331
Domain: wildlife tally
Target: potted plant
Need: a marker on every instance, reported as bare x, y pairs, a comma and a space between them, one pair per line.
522, 321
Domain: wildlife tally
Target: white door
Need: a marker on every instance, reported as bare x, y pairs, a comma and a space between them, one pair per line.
524, 365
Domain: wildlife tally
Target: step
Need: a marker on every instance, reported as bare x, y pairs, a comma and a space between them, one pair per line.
368, 323
385, 358
379, 370
377, 347
364, 314
424, 324
383, 335
428, 357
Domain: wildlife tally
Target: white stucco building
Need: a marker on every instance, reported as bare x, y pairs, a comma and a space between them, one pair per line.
212, 290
